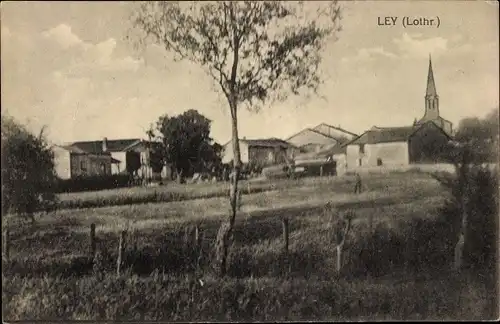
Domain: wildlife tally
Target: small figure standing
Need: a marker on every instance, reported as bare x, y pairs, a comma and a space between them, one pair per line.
357, 186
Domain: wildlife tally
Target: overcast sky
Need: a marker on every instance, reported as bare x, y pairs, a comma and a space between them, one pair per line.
67, 65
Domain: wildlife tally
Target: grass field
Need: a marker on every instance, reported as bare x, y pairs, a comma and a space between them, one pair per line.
179, 192
399, 269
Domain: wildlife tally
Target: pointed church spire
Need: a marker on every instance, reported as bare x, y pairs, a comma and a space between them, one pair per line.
431, 86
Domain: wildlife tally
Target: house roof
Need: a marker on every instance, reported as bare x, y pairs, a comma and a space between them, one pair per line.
338, 128
71, 149
385, 135
77, 150
112, 145
439, 118
313, 131
266, 142
388, 134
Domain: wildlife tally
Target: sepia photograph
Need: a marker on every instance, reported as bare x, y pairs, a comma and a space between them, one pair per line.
263, 161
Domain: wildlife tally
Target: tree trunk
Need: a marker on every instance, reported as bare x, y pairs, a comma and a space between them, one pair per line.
459, 247
224, 235
459, 251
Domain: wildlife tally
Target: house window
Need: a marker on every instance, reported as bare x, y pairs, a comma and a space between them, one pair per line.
103, 168
379, 161
83, 167
360, 162
362, 148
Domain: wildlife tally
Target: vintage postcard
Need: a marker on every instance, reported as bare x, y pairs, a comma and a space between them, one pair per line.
264, 161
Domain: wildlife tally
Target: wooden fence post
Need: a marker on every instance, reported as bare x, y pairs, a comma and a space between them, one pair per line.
6, 244
238, 200
198, 246
285, 233
196, 235
92, 240
121, 250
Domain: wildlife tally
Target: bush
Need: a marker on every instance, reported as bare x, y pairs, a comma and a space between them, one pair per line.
27, 169
480, 250
93, 183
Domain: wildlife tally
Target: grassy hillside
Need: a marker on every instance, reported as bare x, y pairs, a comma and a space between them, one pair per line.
396, 269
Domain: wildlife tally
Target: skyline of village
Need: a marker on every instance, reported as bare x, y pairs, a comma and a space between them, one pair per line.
88, 75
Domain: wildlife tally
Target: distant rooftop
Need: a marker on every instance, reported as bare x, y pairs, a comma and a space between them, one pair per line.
265, 142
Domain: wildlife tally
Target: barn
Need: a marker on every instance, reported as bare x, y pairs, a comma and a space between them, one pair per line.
397, 146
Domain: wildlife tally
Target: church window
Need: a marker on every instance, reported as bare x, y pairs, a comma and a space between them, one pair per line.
360, 162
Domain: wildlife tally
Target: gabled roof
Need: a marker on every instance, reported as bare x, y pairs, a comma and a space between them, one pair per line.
310, 130
70, 149
266, 142
77, 150
112, 145
389, 134
337, 128
384, 135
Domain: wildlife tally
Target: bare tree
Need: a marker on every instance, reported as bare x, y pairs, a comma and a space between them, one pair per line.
255, 51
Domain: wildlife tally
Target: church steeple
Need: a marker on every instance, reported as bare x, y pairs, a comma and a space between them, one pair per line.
431, 96
431, 86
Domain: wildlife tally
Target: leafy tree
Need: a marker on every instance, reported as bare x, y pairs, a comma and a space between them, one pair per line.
27, 170
186, 143
157, 157
472, 211
481, 135
256, 52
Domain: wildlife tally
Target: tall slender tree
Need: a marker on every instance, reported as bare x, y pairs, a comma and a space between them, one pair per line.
255, 51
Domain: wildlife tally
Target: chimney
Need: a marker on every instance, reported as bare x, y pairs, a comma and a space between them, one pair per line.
105, 144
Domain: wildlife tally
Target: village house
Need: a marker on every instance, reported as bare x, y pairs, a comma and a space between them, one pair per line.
122, 153
71, 162
319, 138
323, 143
397, 146
260, 151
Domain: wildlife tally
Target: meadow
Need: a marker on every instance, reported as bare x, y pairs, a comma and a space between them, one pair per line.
396, 266
172, 191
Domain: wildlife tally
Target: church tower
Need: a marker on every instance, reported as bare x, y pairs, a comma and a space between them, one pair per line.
431, 96
432, 105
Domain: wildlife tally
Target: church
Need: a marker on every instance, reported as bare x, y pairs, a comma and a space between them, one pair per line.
422, 142
432, 105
